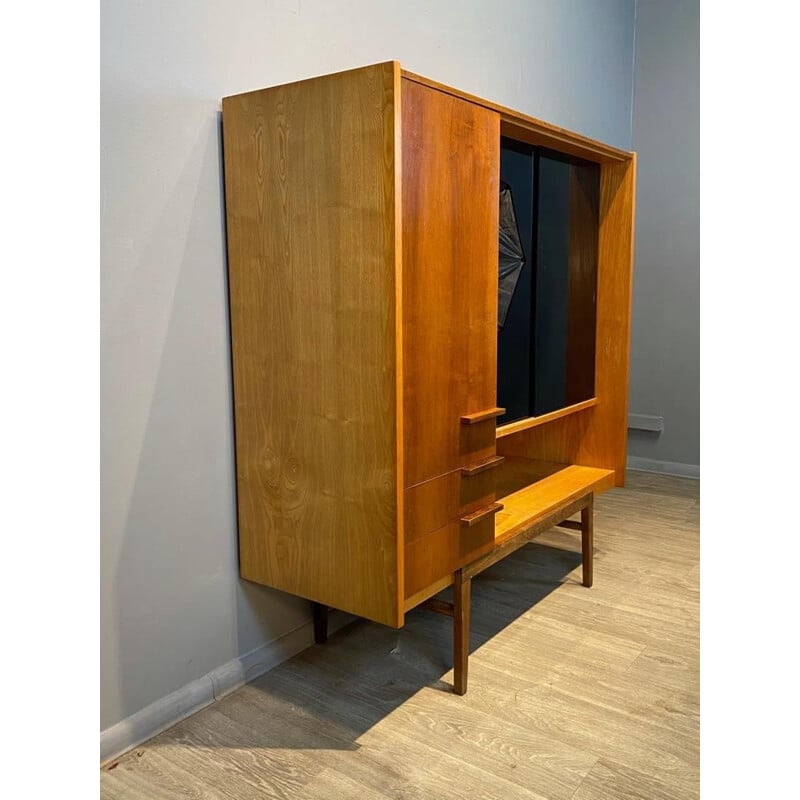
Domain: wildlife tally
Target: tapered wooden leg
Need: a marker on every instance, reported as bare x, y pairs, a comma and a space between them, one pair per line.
320, 623
461, 604
587, 541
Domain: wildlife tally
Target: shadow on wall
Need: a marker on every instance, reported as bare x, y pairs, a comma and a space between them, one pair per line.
178, 608
329, 695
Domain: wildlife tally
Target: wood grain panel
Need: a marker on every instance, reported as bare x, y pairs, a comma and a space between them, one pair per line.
451, 153
477, 517
519, 473
482, 466
532, 422
482, 416
434, 503
543, 495
438, 554
584, 202
310, 175
606, 440
525, 128
557, 440
527, 529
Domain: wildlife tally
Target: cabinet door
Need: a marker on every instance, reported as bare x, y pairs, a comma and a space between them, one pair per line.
450, 202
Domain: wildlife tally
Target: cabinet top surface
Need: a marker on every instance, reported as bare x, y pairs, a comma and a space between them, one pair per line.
514, 124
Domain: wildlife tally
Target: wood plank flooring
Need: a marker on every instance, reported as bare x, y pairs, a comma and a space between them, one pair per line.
575, 693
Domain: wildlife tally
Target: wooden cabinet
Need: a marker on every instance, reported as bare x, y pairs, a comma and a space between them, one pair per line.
362, 229
451, 176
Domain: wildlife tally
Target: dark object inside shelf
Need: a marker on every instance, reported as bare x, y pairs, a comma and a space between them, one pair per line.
512, 256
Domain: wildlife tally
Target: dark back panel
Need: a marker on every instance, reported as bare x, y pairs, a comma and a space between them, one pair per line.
514, 340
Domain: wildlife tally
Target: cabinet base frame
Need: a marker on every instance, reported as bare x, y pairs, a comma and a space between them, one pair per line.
459, 609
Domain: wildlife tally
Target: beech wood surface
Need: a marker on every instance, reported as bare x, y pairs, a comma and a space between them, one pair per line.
584, 212
606, 441
598, 436
538, 499
482, 466
524, 533
310, 174
476, 517
482, 416
437, 555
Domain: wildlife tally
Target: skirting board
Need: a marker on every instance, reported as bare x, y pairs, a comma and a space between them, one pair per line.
198, 694
664, 467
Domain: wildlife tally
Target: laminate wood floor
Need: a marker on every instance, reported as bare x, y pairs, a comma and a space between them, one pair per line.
573, 692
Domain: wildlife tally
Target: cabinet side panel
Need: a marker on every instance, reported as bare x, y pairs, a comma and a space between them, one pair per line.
606, 440
310, 200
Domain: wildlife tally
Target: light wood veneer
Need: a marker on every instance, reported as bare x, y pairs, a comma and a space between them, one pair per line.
310, 175
362, 220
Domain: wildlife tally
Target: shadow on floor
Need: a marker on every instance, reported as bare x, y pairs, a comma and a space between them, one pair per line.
329, 695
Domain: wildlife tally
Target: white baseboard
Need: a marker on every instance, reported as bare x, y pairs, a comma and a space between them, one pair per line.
198, 694
664, 467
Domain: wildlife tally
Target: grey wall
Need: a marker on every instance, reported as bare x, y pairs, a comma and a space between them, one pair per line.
173, 607
665, 339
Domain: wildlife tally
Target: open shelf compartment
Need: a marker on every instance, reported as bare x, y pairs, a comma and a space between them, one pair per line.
530, 489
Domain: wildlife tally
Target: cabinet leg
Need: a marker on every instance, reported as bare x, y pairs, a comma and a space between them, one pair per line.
320, 623
461, 604
587, 541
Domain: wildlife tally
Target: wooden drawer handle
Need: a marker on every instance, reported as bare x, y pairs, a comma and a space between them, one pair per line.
482, 466
482, 416
479, 516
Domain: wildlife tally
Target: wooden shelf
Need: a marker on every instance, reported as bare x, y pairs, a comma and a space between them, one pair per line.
531, 489
532, 422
